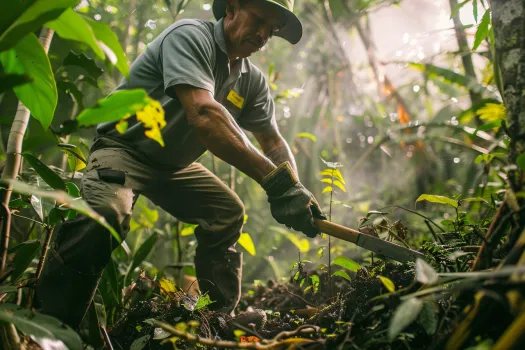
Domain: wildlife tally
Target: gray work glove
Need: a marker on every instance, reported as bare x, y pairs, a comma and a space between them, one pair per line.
291, 203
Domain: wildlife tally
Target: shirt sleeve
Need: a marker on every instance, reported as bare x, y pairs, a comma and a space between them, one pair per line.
259, 114
187, 58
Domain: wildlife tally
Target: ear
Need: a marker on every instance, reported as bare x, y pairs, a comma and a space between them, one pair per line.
231, 7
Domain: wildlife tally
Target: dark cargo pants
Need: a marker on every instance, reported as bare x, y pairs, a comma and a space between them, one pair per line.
113, 179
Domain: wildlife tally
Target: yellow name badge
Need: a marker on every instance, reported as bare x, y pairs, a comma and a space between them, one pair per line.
236, 99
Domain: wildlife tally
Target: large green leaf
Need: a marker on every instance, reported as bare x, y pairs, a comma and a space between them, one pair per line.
40, 326
142, 253
48, 175
104, 34
347, 263
61, 197
437, 199
40, 96
18, 18
84, 62
70, 25
114, 107
520, 160
451, 77
405, 314
24, 254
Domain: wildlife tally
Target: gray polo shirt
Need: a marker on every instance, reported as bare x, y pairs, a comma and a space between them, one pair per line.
192, 52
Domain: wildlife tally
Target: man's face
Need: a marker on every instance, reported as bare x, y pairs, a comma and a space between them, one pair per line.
248, 27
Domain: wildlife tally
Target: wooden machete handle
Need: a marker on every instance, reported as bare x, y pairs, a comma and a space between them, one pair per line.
338, 231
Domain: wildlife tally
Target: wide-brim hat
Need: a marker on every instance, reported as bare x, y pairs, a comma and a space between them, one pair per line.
292, 30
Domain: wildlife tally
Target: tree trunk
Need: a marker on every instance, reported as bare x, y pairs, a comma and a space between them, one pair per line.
13, 156
508, 18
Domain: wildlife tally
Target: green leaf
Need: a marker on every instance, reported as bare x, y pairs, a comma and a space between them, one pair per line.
48, 175
474, 199
246, 242
40, 326
520, 161
61, 197
203, 301
487, 158
327, 189
475, 10
483, 30
405, 314
320, 252
389, 285
333, 173
142, 253
302, 244
140, 343
489, 126
70, 88
25, 253
271, 72
428, 318
347, 263
19, 18
84, 62
9, 81
437, 199
106, 35
72, 26
188, 230
8, 289
449, 76
40, 96
456, 9
340, 185
315, 283
114, 107
425, 273
342, 273
75, 158
307, 135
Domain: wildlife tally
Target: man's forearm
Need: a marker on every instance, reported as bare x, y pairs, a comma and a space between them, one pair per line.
280, 154
221, 135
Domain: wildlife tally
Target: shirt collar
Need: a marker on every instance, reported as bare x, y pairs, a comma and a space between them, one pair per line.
221, 42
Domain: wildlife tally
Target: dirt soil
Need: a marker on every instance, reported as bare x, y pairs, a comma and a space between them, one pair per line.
354, 314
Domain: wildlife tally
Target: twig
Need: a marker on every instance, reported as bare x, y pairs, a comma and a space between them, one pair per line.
501, 210
43, 255
289, 334
414, 212
436, 237
6, 225
226, 344
106, 337
298, 296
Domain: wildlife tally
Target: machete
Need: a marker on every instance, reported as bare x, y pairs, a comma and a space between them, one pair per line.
374, 244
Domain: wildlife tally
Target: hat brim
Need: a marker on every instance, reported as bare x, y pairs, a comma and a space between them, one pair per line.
292, 31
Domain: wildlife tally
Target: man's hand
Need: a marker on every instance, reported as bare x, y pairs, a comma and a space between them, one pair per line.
290, 202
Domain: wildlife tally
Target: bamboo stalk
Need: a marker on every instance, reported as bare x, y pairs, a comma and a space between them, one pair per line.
13, 155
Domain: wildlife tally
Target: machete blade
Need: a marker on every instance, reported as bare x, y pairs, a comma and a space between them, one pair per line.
388, 249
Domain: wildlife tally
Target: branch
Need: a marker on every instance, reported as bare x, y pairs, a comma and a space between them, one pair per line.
226, 344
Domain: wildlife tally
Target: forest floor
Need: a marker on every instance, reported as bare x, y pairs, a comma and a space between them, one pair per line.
350, 314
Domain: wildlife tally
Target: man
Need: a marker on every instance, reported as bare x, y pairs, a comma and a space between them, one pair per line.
209, 90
